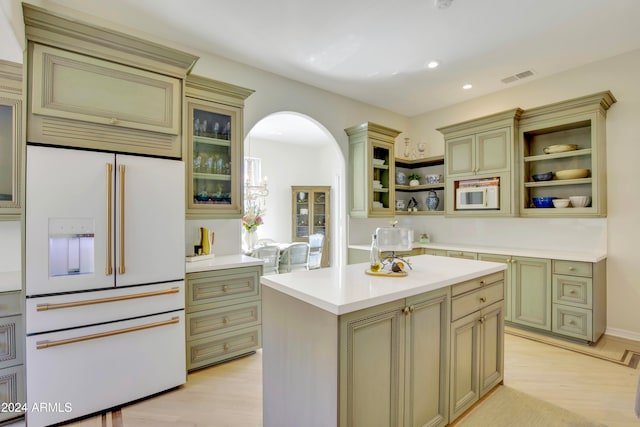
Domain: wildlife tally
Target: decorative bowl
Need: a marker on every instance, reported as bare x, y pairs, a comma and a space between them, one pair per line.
572, 173
580, 201
560, 203
433, 179
547, 176
543, 202
560, 148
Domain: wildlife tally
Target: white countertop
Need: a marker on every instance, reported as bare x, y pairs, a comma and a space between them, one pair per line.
585, 256
221, 263
341, 290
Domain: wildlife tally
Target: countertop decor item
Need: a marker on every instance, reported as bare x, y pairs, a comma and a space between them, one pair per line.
572, 173
547, 176
560, 203
560, 148
543, 202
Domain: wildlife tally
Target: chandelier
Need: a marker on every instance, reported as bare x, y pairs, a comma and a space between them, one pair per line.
255, 184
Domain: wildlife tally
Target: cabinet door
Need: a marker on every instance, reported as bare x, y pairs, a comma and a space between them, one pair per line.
461, 155
493, 151
214, 156
491, 347
372, 368
505, 259
531, 292
302, 215
465, 364
10, 132
426, 355
382, 178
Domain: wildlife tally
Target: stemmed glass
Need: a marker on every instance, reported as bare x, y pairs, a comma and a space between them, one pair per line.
421, 148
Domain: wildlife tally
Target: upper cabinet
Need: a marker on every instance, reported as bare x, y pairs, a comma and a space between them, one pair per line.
214, 148
371, 170
11, 135
99, 89
482, 151
429, 193
563, 156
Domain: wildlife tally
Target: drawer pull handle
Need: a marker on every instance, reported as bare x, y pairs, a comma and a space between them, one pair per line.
225, 320
482, 283
44, 307
572, 291
483, 299
226, 347
572, 322
571, 268
113, 121
224, 288
46, 344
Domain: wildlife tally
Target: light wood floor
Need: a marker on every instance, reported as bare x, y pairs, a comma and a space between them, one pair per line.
230, 394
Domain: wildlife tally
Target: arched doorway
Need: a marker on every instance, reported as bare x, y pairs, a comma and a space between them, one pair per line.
296, 150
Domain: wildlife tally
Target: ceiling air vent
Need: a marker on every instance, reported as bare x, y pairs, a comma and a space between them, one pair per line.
517, 76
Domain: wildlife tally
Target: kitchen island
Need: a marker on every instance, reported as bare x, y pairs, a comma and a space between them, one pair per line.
342, 348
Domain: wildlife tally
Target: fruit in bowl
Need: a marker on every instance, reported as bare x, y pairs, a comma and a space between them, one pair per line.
543, 202
560, 203
580, 201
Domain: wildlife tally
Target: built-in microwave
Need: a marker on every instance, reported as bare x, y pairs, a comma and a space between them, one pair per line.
478, 194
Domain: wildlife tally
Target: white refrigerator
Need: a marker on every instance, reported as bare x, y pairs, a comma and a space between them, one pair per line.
104, 256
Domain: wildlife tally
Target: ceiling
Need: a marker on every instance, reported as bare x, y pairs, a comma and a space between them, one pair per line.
377, 51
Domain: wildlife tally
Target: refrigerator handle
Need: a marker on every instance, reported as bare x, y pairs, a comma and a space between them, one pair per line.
121, 269
109, 267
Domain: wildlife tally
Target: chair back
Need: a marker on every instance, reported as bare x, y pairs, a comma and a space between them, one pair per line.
316, 242
270, 255
265, 241
295, 257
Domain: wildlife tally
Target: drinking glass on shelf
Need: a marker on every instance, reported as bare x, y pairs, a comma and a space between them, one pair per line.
421, 148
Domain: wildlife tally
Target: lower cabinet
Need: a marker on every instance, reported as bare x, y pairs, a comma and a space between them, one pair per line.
223, 315
12, 393
393, 363
531, 292
477, 345
508, 260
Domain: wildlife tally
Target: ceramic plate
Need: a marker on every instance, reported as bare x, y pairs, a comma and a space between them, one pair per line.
561, 148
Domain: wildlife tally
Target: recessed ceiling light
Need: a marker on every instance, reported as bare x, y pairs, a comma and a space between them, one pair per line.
433, 64
467, 86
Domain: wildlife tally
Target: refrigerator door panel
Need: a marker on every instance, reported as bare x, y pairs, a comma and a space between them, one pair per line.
154, 220
67, 215
85, 370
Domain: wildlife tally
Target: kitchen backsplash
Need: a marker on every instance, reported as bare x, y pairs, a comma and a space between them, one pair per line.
228, 235
10, 249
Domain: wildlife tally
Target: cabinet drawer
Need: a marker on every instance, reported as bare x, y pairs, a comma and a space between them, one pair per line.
435, 252
572, 321
216, 289
11, 341
210, 322
572, 290
573, 268
12, 390
468, 303
479, 282
217, 348
462, 254
10, 303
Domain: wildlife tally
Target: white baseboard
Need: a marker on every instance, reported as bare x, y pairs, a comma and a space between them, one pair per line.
623, 333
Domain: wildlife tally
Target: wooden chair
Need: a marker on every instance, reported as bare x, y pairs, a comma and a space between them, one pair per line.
316, 242
270, 254
294, 257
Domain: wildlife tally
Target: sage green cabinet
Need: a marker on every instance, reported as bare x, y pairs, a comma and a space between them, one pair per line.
371, 170
578, 125
402, 349
11, 134
462, 254
531, 292
509, 261
223, 315
12, 336
483, 148
477, 345
404, 192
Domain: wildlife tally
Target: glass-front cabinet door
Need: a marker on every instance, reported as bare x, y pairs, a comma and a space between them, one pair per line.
214, 148
311, 210
10, 152
302, 222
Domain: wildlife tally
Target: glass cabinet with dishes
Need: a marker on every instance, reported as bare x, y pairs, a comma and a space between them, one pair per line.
371, 170
10, 139
214, 141
563, 158
311, 212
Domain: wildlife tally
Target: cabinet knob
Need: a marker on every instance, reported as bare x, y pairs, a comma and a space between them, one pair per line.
412, 309
571, 268
405, 311
226, 346
113, 121
572, 322
482, 283
225, 320
483, 299
224, 288
572, 291
481, 320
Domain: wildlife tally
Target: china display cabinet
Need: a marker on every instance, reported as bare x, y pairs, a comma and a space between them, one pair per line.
10, 139
563, 155
482, 149
311, 213
214, 148
431, 184
372, 170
